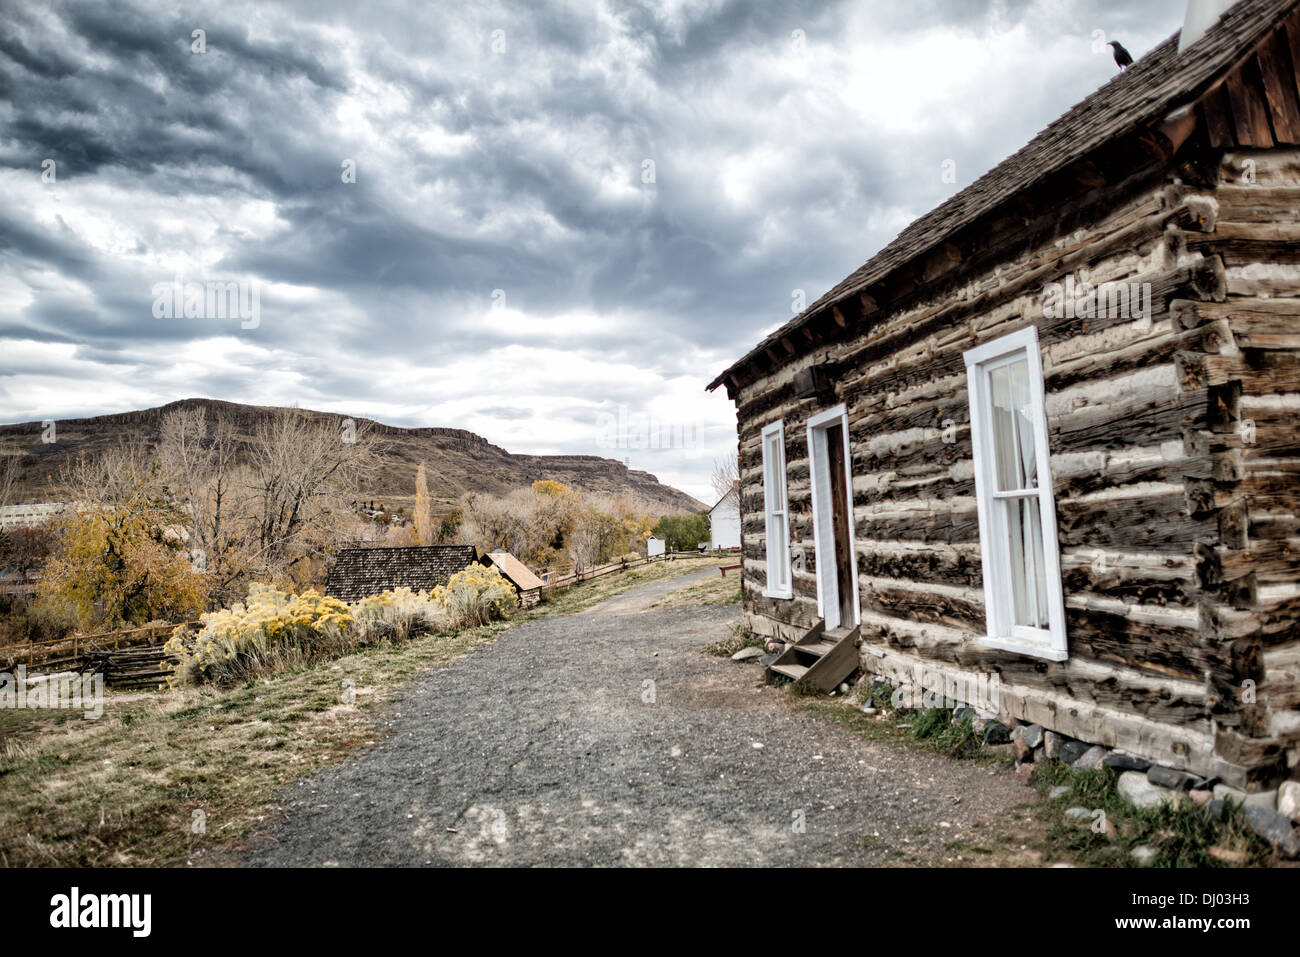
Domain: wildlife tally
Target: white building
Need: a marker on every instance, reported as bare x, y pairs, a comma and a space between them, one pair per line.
724, 522
37, 513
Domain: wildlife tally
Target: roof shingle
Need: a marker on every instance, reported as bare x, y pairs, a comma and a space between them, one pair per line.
360, 572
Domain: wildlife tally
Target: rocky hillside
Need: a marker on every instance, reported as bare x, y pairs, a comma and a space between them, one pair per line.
457, 461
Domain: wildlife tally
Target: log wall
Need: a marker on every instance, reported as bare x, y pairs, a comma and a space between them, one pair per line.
1257, 236
1178, 537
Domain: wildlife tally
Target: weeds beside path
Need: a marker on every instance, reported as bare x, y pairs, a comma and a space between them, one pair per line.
164, 776
1078, 817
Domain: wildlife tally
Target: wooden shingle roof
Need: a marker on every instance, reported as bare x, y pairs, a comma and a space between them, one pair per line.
359, 572
1158, 84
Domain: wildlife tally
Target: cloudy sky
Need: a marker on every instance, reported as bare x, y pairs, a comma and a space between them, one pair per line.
551, 224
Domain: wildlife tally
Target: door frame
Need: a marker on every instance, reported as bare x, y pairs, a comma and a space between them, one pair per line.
824, 525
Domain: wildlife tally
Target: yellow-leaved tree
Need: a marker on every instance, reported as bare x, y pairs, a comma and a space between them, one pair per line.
422, 528
116, 565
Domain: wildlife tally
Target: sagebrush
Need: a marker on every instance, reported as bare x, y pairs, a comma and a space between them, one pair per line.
273, 629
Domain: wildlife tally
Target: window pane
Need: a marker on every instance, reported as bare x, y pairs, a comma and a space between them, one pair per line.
777, 576
769, 472
1025, 547
777, 544
1013, 434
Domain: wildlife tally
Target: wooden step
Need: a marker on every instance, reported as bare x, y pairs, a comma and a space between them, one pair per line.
790, 671
821, 659
817, 648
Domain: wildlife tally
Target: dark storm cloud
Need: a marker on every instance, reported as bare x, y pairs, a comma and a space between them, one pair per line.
486, 161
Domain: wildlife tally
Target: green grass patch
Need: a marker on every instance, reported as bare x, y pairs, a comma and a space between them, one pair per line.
1183, 835
930, 730
935, 726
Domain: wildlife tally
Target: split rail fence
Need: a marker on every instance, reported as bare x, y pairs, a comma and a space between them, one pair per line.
599, 571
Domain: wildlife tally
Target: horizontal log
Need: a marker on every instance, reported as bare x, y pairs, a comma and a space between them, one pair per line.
1168, 646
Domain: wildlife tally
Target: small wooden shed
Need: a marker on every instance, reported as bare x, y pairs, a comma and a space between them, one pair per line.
528, 585
1047, 436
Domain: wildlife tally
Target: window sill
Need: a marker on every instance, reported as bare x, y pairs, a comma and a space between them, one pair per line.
1025, 648
778, 594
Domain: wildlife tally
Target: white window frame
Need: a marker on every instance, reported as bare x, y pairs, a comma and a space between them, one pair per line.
776, 508
1048, 643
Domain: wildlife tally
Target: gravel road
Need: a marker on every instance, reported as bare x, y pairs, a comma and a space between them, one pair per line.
609, 738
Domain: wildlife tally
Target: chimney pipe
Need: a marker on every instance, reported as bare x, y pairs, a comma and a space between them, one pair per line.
1201, 16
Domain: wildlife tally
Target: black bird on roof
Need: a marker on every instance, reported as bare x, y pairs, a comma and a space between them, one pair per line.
1122, 57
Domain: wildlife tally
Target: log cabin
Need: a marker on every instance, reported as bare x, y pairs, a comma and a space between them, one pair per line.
1048, 435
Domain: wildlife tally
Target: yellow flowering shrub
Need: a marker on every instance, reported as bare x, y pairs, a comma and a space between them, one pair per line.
398, 614
269, 628
475, 596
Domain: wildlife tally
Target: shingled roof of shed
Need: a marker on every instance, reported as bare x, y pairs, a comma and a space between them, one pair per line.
1156, 85
359, 572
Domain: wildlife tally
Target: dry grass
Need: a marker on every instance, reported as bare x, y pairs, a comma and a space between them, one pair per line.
711, 591
123, 790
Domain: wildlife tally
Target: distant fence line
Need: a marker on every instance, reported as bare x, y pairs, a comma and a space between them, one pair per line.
568, 581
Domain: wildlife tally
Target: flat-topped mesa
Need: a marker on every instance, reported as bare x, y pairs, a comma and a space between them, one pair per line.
457, 460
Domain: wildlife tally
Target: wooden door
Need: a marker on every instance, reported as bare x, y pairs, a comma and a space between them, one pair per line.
841, 523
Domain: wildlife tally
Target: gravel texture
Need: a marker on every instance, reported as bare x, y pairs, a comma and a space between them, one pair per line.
609, 738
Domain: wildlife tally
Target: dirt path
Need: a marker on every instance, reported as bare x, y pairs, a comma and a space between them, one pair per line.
608, 738
640, 599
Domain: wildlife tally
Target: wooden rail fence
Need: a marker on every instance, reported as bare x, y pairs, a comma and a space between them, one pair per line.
568, 581
132, 657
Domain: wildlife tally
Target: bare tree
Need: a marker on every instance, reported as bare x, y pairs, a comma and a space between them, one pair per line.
10, 466
584, 541
126, 474
499, 523
726, 480
202, 469
259, 507
304, 475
